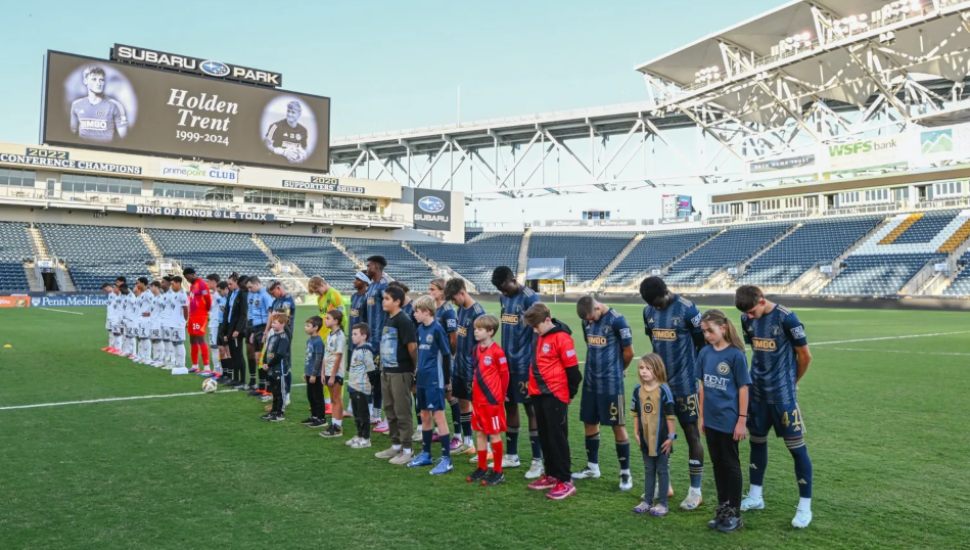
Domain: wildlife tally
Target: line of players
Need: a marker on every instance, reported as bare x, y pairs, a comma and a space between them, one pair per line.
672, 323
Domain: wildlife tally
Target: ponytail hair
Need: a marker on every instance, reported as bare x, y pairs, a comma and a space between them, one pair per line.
717, 317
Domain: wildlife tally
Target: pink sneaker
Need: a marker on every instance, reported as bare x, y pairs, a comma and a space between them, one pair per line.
543, 483
455, 444
561, 491
381, 427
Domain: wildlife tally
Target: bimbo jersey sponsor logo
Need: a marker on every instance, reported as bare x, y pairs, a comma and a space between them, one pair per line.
664, 334
596, 340
763, 344
510, 319
431, 204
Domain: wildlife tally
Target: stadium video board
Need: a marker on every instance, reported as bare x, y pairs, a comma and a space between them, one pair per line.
94, 103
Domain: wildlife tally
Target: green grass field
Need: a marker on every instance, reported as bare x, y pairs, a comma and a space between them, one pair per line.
883, 403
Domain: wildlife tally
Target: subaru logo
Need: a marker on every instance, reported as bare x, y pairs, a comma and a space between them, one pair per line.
431, 204
215, 68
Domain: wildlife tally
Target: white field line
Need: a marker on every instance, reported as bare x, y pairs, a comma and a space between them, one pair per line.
60, 311
115, 399
882, 338
906, 351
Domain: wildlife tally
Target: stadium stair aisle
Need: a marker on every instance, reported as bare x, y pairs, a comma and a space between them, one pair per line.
901, 228
950, 245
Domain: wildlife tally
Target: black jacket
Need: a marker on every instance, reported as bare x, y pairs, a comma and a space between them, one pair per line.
237, 321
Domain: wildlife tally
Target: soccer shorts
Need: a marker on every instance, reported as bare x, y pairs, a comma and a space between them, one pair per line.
461, 388
601, 408
431, 399
336, 380
518, 390
131, 332
213, 334
197, 326
178, 334
785, 418
488, 419
144, 330
686, 407
117, 329
156, 333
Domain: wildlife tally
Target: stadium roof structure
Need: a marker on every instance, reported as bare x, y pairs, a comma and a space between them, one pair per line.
804, 74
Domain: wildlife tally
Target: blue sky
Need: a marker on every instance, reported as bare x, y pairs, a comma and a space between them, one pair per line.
386, 65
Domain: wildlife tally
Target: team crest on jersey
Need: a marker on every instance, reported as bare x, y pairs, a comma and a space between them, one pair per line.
546, 348
763, 344
648, 407
776, 330
429, 338
676, 321
723, 368
487, 360
664, 334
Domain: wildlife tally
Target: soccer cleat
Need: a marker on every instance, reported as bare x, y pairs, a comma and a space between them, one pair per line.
423, 459
752, 503
266, 398
470, 450
403, 458
511, 461
267, 416
381, 427
543, 483
416, 436
641, 508
731, 521
474, 458
536, 469
194, 369
455, 444
317, 423
561, 491
591, 471
476, 476
332, 431
387, 453
802, 518
658, 511
352, 441
361, 444
626, 482
308, 420
493, 478
278, 417
442, 467
692, 500
253, 392
718, 516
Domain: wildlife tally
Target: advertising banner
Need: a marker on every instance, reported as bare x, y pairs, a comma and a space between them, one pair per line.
883, 153
15, 300
69, 300
104, 104
432, 210
201, 213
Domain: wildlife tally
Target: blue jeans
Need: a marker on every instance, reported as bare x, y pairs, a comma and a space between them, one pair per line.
656, 475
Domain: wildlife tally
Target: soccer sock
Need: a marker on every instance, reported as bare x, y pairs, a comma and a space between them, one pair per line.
623, 454
803, 466
758, 461
482, 460
466, 424
696, 469
445, 444
497, 456
337, 422
426, 436
593, 448
512, 440
216, 362
536, 446
455, 416
195, 354
205, 356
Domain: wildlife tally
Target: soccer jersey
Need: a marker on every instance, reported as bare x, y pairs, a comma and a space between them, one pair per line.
518, 338
285, 304
464, 362
313, 359
555, 353
445, 315
258, 305
336, 344
673, 332
653, 408
158, 312
605, 340
326, 302
361, 363
111, 309
286, 136
358, 308
491, 378
434, 356
97, 121
722, 374
179, 301
376, 316
217, 315
200, 301
773, 338
145, 306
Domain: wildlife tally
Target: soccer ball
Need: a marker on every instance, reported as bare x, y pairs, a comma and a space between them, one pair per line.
209, 385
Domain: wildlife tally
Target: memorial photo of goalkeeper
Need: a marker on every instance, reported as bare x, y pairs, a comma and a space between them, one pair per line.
289, 129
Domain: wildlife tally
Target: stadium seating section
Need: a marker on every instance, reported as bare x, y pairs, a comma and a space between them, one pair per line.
402, 265
14, 248
475, 259
817, 242
314, 256
95, 255
728, 249
881, 262
586, 254
656, 251
211, 252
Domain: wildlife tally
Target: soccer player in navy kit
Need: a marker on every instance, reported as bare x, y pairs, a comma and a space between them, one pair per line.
445, 315
518, 343
461, 379
433, 377
97, 117
609, 343
673, 325
780, 359
375, 317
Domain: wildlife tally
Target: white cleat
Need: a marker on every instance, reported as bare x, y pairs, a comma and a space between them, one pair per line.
535, 469
511, 461
591, 471
802, 518
752, 503
626, 482
692, 500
